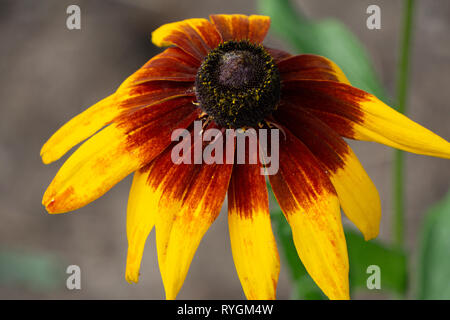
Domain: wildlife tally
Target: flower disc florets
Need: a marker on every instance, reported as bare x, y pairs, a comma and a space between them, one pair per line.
238, 84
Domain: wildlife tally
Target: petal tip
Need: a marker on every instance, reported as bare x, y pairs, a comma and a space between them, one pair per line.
45, 157
338, 292
170, 296
57, 202
133, 266
132, 276
171, 287
371, 235
48, 200
157, 38
50, 205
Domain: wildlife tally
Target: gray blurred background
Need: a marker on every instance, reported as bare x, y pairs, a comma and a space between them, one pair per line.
48, 74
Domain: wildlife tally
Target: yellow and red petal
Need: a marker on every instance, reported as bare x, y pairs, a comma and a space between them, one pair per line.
80, 128
173, 64
116, 151
311, 206
310, 67
108, 110
239, 27
359, 115
253, 245
190, 198
194, 36
345, 171
180, 229
152, 93
141, 216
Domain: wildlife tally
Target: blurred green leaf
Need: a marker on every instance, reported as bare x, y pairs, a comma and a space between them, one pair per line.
328, 38
362, 254
434, 257
37, 272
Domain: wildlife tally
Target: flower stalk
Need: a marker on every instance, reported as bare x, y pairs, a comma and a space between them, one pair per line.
402, 95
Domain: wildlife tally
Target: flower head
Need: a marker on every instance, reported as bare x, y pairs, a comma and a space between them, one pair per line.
218, 71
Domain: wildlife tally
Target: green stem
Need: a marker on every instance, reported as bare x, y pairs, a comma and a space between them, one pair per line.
402, 91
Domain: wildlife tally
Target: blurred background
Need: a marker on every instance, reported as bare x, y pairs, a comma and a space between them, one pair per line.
48, 74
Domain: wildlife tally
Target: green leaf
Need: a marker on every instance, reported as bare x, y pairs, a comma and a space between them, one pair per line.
37, 272
362, 254
434, 256
328, 38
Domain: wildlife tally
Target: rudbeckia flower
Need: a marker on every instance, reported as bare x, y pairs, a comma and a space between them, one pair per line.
218, 71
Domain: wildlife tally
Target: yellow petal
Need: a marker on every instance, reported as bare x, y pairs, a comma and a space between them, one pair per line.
385, 125
90, 171
320, 243
311, 207
79, 128
253, 245
358, 195
141, 215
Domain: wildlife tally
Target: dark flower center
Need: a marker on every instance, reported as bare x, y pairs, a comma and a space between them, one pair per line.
238, 84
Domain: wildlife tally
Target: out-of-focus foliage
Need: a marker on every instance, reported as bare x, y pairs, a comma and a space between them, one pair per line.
362, 254
33, 271
328, 38
434, 258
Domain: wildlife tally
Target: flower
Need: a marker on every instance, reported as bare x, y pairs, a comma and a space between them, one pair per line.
219, 71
